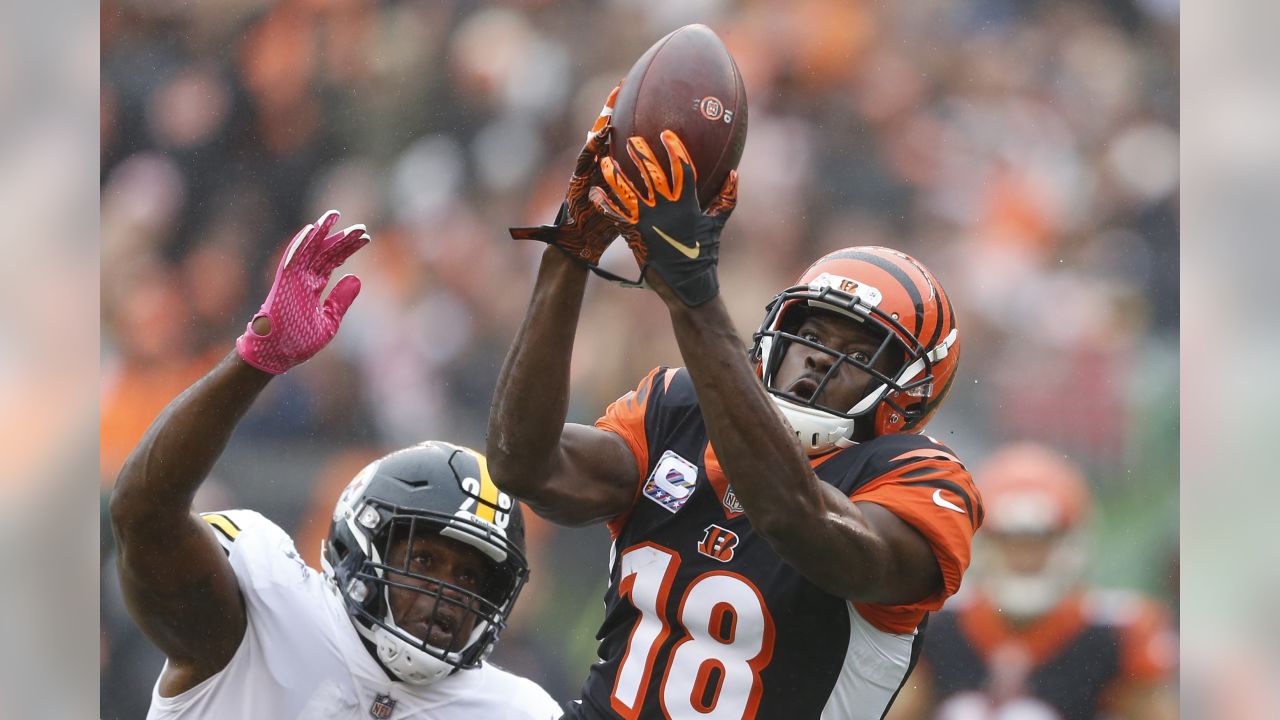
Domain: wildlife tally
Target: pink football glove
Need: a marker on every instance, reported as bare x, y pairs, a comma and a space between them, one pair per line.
299, 325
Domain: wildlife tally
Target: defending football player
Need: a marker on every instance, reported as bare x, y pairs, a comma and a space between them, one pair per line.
780, 528
423, 562
1029, 638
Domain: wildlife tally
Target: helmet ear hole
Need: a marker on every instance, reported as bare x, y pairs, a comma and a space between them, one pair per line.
339, 549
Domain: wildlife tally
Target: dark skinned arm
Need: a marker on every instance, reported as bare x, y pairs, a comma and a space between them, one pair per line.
570, 474
857, 551
177, 582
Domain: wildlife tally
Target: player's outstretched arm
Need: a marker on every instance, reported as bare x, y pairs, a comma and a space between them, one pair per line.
570, 474
177, 581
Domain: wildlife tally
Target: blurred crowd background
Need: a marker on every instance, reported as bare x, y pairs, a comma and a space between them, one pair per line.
1027, 152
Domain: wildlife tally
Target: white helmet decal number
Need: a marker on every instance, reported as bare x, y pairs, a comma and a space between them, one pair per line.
486, 502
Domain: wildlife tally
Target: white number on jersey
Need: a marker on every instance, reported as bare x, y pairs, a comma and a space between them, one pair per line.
714, 670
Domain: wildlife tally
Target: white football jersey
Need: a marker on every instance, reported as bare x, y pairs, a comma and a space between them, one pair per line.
302, 658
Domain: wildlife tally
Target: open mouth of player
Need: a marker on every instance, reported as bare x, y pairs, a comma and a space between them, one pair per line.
804, 388
437, 631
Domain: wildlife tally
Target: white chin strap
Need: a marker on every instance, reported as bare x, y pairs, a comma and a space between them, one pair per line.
818, 432
407, 662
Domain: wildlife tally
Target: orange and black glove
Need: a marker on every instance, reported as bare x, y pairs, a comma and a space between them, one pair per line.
664, 226
579, 231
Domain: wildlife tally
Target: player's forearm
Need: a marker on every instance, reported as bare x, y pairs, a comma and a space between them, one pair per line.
164, 470
770, 475
808, 523
531, 399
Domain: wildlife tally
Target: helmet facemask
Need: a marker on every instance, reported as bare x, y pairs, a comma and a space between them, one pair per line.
900, 391
363, 559
452, 605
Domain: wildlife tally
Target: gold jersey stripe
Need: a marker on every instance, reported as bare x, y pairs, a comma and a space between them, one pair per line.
487, 509
223, 524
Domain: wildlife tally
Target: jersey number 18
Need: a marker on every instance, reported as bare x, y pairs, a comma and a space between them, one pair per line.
727, 639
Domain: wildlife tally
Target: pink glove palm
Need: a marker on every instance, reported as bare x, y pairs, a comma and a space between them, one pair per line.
297, 324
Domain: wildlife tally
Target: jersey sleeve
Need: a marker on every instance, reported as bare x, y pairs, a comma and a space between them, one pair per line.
261, 553
229, 524
625, 417
929, 489
290, 660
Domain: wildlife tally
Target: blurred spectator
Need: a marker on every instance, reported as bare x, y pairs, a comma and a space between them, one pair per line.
1031, 639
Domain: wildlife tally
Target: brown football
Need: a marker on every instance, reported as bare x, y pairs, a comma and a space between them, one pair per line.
686, 82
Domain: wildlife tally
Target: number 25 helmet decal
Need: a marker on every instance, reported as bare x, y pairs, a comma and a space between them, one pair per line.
903, 306
431, 489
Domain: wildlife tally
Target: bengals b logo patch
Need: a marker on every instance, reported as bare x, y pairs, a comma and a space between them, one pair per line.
718, 543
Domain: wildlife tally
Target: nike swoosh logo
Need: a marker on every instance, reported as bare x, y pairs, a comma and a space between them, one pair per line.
689, 252
943, 502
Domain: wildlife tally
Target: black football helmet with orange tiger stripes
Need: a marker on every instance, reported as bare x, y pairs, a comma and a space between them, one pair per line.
897, 297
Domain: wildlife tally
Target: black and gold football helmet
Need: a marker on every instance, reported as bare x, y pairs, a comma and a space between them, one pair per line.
435, 488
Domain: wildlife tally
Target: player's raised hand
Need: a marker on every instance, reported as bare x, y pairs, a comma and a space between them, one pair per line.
293, 324
663, 224
578, 229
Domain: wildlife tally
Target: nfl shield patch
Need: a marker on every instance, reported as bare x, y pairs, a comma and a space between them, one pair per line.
731, 502
382, 707
671, 482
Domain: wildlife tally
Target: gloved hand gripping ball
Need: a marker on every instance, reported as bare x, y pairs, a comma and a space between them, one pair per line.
663, 225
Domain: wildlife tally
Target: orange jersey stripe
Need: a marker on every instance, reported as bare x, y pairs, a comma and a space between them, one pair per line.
625, 418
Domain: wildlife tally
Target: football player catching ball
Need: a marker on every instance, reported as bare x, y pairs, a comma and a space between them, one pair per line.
781, 528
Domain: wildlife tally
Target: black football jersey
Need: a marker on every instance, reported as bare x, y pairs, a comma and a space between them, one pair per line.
704, 620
